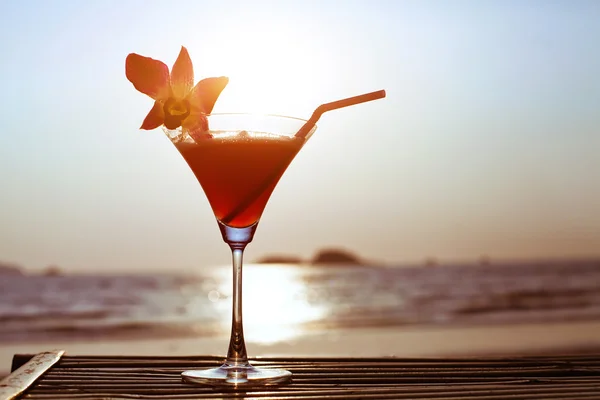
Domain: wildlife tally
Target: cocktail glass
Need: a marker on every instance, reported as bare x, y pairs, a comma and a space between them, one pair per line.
238, 162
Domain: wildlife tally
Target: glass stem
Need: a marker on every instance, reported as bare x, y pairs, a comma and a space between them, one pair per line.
236, 355
237, 239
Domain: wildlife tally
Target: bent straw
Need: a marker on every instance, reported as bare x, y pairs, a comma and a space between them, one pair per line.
334, 105
304, 130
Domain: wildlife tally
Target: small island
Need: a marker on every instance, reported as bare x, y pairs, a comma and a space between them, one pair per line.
336, 256
327, 256
280, 259
10, 269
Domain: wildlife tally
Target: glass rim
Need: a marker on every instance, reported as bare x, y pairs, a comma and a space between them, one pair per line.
250, 114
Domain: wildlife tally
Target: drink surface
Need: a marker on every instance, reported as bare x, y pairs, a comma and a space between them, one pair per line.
238, 171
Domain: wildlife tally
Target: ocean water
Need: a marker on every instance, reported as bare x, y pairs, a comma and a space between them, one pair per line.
283, 301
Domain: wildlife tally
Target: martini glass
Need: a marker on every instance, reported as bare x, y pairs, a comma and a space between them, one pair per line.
238, 163
238, 160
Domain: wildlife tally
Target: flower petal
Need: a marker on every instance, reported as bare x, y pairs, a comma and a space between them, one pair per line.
197, 127
155, 117
148, 75
206, 92
195, 121
182, 76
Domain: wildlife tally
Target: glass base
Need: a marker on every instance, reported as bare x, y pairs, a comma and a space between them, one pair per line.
237, 376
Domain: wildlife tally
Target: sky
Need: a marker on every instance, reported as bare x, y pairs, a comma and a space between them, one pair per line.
488, 142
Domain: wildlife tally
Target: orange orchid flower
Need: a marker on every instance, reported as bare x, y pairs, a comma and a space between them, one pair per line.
177, 102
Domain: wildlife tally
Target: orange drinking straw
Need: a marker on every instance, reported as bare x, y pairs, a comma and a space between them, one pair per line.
334, 105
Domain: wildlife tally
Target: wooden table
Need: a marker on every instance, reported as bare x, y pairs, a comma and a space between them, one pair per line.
103, 377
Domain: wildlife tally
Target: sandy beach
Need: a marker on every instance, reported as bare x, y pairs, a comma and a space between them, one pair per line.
428, 341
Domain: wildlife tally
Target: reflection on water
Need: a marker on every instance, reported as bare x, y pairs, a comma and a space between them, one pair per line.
276, 303
282, 302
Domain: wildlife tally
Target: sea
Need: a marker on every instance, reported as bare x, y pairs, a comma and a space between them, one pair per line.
283, 300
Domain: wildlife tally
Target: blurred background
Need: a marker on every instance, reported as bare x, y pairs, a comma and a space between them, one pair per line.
470, 195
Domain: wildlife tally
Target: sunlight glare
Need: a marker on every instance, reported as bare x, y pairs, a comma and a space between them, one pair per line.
276, 304
269, 73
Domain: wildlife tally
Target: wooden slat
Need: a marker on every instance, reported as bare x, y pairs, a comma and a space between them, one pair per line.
97, 377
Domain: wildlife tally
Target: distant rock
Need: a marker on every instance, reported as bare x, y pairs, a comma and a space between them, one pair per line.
280, 259
485, 260
431, 262
10, 269
52, 270
336, 256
